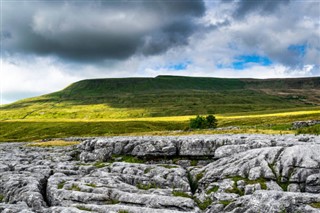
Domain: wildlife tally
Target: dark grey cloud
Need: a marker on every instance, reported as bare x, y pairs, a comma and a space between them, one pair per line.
244, 7
45, 40
174, 34
98, 30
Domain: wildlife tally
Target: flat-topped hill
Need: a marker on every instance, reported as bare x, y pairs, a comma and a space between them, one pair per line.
166, 96
164, 83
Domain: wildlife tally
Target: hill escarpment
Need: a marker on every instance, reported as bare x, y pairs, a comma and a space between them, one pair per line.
166, 96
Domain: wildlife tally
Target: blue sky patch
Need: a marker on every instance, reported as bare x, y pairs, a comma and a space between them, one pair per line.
179, 66
243, 61
298, 49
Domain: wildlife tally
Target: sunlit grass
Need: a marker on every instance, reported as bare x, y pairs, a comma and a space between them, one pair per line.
264, 123
286, 116
53, 143
52, 111
207, 132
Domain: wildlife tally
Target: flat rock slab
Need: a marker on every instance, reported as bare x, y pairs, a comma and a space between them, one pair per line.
200, 173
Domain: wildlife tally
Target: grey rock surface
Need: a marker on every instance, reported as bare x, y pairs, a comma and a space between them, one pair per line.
300, 124
200, 173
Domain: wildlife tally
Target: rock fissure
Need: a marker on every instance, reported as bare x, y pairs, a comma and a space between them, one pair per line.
132, 203
43, 189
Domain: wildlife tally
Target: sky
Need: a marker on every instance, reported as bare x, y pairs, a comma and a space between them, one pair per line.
48, 44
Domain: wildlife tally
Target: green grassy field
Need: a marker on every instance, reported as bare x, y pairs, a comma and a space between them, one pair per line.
103, 107
272, 123
176, 103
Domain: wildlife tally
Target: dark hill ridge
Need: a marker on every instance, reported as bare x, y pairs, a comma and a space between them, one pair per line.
162, 82
154, 84
284, 83
178, 95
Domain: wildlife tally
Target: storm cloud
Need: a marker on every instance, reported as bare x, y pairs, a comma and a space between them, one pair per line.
50, 44
97, 30
244, 7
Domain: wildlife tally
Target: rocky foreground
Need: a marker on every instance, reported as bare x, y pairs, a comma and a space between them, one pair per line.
203, 173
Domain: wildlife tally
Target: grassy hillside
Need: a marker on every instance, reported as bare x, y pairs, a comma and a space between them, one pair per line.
166, 96
153, 105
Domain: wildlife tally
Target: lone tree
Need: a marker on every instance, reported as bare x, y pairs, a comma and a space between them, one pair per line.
212, 122
198, 123
201, 122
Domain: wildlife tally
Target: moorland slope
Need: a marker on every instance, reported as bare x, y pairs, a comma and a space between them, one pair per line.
166, 96
100, 107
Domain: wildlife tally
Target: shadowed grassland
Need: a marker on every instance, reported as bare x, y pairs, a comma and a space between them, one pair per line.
315, 130
28, 131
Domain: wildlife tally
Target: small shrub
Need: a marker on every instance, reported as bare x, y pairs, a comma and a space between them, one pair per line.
315, 205
176, 160
112, 202
261, 181
283, 211
123, 211
91, 185
147, 170
284, 185
236, 190
201, 122
128, 159
213, 189
193, 183
131, 159
198, 123
83, 208
1, 197
99, 164
263, 185
211, 122
203, 205
199, 176
181, 194
225, 202
194, 163
61, 184
75, 187
168, 166
146, 186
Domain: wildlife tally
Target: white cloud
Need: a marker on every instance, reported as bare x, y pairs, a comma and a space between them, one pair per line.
221, 39
35, 76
